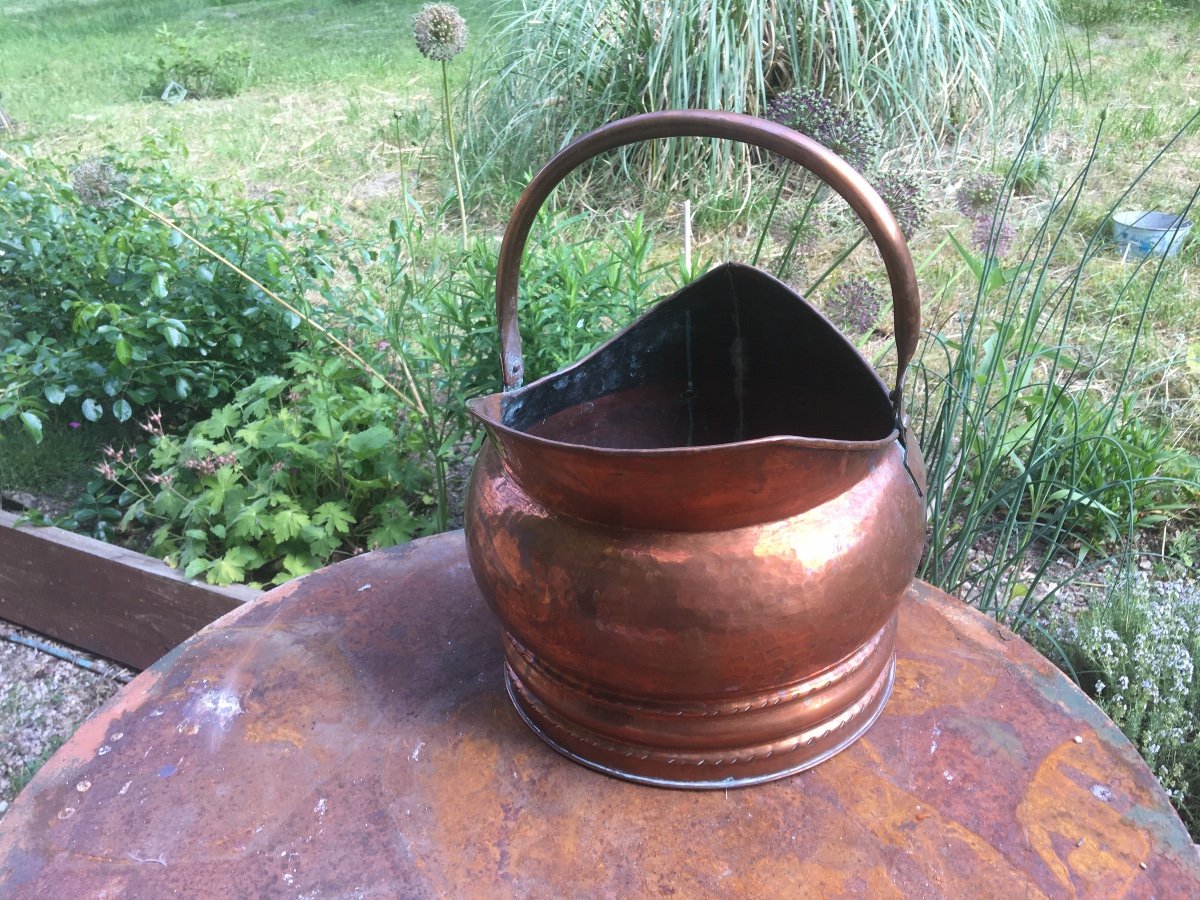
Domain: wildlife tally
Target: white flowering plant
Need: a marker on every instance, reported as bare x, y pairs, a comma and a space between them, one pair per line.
1138, 654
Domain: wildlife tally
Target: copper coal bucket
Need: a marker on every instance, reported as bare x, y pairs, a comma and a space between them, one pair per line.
697, 537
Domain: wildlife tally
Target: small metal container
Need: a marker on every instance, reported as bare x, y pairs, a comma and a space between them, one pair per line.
697, 538
1140, 233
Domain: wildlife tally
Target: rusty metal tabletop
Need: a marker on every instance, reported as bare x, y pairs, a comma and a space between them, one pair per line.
348, 735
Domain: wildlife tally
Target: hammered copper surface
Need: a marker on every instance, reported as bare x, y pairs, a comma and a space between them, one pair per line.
699, 658
348, 735
696, 538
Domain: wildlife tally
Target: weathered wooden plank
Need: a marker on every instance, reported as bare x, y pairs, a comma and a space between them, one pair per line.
101, 598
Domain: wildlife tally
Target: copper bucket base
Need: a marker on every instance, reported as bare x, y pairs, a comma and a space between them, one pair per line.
683, 745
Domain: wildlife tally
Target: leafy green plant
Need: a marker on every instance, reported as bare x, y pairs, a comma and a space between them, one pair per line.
203, 68
922, 67
1137, 653
290, 475
437, 319
108, 313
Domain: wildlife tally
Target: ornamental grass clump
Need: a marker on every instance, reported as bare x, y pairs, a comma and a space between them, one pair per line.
441, 34
921, 71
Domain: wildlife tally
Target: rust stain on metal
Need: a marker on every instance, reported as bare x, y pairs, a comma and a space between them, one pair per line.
403, 770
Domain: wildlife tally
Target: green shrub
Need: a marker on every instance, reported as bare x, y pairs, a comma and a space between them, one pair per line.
294, 473
921, 68
1137, 653
298, 471
106, 311
203, 69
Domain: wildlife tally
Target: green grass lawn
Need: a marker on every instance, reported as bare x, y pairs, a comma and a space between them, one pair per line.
315, 121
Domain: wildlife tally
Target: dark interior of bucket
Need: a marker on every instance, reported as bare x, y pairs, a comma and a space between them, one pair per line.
734, 356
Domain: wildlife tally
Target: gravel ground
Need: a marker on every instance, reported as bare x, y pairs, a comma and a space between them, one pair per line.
43, 700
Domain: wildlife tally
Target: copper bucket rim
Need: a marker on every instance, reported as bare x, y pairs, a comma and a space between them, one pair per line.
835, 172
774, 440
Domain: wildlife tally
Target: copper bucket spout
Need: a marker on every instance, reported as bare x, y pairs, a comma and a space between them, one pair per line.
697, 537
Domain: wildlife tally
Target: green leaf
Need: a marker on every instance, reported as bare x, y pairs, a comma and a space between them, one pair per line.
226, 571
182, 388
124, 352
173, 336
233, 565
296, 565
54, 394
92, 411
334, 515
287, 523
122, 410
249, 523
158, 285
33, 425
374, 438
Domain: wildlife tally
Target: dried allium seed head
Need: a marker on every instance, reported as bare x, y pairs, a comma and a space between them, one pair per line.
992, 237
848, 134
905, 198
855, 305
978, 195
98, 183
440, 31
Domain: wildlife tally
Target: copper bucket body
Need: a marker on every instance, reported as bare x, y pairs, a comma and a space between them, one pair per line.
696, 538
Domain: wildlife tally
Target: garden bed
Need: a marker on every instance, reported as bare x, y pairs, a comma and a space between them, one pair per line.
102, 598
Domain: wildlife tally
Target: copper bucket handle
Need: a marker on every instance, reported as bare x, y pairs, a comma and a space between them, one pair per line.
786, 142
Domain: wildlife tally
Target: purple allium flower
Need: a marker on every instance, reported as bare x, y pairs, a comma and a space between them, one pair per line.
855, 305
992, 237
846, 133
98, 183
440, 31
978, 195
906, 199
74, 424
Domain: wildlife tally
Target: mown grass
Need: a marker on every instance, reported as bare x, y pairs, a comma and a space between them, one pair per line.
316, 120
